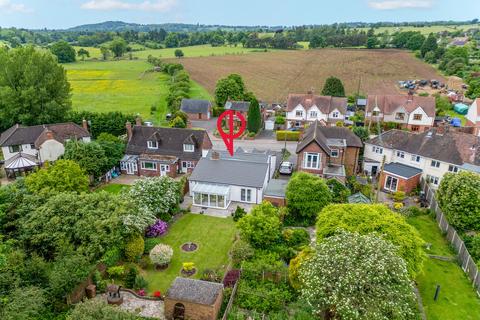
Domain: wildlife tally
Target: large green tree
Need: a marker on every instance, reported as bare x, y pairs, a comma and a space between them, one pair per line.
63, 176
64, 51
459, 198
306, 196
261, 228
231, 87
254, 121
113, 147
89, 155
429, 45
352, 276
33, 88
378, 220
333, 87
118, 46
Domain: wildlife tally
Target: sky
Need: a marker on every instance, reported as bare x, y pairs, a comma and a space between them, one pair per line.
59, 14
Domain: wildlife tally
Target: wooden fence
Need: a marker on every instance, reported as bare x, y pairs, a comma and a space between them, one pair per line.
464, 259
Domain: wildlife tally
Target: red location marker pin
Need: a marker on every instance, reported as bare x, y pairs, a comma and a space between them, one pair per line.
231, 135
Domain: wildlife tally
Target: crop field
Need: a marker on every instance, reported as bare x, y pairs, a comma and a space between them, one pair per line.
272, 76
103, 86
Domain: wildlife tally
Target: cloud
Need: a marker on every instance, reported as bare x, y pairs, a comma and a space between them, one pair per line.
8, 6
399, 4
158, 5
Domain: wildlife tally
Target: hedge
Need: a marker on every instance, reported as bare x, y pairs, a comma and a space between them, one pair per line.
291, 135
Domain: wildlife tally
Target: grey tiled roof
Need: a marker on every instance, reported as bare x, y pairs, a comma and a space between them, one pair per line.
195, 106
401, 170
237, 105
196, 291
230, 172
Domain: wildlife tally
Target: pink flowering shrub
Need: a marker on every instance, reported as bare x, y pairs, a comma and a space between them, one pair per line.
157, 229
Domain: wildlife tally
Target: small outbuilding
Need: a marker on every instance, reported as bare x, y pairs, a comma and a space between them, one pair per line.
196, 109
359, 198
399, 177
193, 299
275, 192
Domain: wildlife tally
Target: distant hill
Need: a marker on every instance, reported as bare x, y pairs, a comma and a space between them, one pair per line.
170, 27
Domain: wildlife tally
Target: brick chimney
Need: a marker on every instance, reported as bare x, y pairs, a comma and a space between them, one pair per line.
138, 121
49, 134
215, 155
85, 124
128, 125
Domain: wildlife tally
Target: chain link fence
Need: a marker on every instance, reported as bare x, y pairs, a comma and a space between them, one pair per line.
464, 259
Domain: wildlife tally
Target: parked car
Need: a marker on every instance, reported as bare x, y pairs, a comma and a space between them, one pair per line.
286, 168
294, 129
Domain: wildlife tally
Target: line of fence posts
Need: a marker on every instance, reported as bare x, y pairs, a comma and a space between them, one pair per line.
464, 259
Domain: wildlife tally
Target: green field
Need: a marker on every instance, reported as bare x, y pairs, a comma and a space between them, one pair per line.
214, 237
424, 30
103, 86
191, 51
457, 299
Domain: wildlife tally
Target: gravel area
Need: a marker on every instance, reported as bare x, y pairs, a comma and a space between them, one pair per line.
144, 308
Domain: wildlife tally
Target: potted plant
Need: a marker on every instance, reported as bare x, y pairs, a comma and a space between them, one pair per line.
161, 255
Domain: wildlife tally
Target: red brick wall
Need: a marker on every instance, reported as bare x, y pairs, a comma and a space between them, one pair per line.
194, 311
315, 148
403, 184
277, 202
156, 173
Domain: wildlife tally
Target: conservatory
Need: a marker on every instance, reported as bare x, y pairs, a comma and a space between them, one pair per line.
211, 195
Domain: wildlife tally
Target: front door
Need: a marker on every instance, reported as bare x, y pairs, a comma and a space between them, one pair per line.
374, 170
164, 169
131, 167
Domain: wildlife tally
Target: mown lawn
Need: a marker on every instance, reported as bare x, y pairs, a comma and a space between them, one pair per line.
214, 237
103, 86
457, 299
113, 188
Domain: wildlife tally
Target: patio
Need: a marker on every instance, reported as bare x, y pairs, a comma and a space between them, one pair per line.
187, 204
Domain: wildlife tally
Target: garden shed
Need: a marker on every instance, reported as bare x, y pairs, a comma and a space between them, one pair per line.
460, 108
193, 299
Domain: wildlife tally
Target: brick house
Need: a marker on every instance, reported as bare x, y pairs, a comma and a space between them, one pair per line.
158, 151
407, 111
308, 108
399, 177
193, 299
197, 109
239, 106
331, 152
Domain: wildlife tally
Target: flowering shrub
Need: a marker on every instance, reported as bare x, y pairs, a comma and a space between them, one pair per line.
141, 292
157, 229
351, 275
188, 266
157, 294
159, 196
161, 254
134, 248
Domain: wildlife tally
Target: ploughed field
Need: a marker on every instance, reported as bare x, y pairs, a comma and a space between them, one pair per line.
271, 76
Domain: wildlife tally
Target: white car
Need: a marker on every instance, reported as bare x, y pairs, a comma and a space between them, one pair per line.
286, 168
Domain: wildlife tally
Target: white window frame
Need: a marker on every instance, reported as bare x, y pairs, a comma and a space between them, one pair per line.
433, 180
335, 153
187, 147
417, 115
401, 154
152, 144
306, 161
391, 183
298, 113
400, 116
415, 158
336, 114
246, 195
154, 167
19, 146
164, 168
378, 150
453, 168
188, 164
313, 114
435, 164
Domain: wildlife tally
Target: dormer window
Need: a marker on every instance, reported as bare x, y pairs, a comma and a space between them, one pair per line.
188, 147
152, 144
299, 113
400, 116
313, 114
336, 114
375, 113
417, 117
